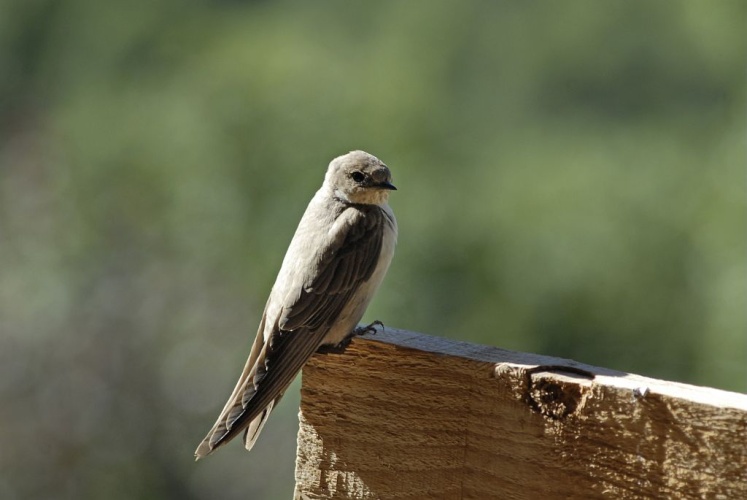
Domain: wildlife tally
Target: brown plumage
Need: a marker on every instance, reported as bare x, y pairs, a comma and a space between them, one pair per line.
337, 258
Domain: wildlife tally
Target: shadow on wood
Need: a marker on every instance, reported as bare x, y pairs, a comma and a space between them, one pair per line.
404, 415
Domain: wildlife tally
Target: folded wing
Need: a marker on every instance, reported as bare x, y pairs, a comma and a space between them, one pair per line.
345, 260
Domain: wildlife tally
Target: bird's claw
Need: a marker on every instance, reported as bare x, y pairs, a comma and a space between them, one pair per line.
335, 348
344, 343
370, 328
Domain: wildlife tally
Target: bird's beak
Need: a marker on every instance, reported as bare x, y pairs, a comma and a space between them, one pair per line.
386, 185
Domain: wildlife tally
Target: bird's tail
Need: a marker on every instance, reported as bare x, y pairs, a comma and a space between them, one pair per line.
250, 434
255, 426
218, 434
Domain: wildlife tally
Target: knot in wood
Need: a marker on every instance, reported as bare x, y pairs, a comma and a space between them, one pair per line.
557, 392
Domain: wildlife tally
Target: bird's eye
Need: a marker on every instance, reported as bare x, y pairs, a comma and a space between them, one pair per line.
357, 176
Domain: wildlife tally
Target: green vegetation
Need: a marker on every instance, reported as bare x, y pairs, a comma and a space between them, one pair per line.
571, 182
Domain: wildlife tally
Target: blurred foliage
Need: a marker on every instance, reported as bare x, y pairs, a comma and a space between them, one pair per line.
571, 182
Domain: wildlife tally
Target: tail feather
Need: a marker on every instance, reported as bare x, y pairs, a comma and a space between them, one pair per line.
270, 369
220, 428
255, 427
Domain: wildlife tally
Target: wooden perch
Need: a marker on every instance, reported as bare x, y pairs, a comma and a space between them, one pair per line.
404, 415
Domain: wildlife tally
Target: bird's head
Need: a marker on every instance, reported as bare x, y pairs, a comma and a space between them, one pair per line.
359, 177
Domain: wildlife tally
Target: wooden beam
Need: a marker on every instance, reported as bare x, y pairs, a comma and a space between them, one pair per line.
402, 415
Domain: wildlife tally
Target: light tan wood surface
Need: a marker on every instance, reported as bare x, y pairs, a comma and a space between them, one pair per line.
405, 415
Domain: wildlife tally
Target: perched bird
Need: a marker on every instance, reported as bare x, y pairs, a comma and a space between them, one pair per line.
337, 259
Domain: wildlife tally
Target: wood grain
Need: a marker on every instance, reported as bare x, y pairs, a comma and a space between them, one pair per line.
402, 415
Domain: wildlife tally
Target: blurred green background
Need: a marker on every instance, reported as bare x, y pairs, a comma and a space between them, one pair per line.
571, 182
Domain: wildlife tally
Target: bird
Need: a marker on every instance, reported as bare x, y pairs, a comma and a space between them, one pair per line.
336, 260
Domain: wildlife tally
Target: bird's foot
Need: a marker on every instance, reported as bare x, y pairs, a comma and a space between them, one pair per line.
370, 328
340, 347
335, 348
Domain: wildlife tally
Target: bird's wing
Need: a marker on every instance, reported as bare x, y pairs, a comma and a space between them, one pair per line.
349, 260
345, 259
